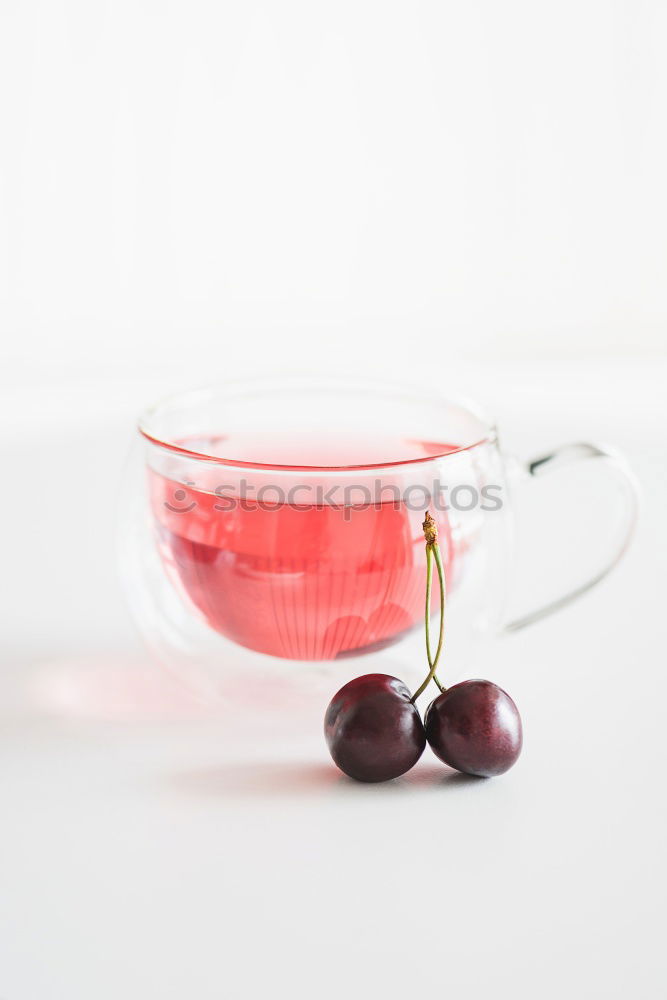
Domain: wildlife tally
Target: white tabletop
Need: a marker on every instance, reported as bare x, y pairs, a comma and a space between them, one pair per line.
151, 847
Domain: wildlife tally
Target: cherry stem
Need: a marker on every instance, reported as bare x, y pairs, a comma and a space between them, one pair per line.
433, 551
443, 597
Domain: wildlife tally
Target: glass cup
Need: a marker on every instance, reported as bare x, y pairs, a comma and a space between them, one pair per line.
270, 528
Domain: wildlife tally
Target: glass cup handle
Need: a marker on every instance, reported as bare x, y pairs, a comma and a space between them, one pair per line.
567, 455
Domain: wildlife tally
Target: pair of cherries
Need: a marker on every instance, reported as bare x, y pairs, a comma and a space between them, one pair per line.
374, 730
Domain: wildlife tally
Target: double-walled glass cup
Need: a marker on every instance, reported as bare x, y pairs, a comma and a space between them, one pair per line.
272, 527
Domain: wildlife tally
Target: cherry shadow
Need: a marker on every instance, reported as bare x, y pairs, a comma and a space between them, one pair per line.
262, 779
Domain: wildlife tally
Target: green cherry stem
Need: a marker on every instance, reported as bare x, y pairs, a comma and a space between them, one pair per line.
427, 610
432, 551
443, 598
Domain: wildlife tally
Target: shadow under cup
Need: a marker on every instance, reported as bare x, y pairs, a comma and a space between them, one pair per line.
288, 518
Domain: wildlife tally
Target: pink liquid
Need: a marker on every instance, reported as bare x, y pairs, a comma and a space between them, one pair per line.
305, 584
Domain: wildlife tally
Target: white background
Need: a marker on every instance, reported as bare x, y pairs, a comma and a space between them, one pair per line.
467, 194
176, 177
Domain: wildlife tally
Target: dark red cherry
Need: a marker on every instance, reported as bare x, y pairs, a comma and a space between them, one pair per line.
475, 727
373, 730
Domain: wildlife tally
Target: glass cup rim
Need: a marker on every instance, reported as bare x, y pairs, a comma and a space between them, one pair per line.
241, 387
